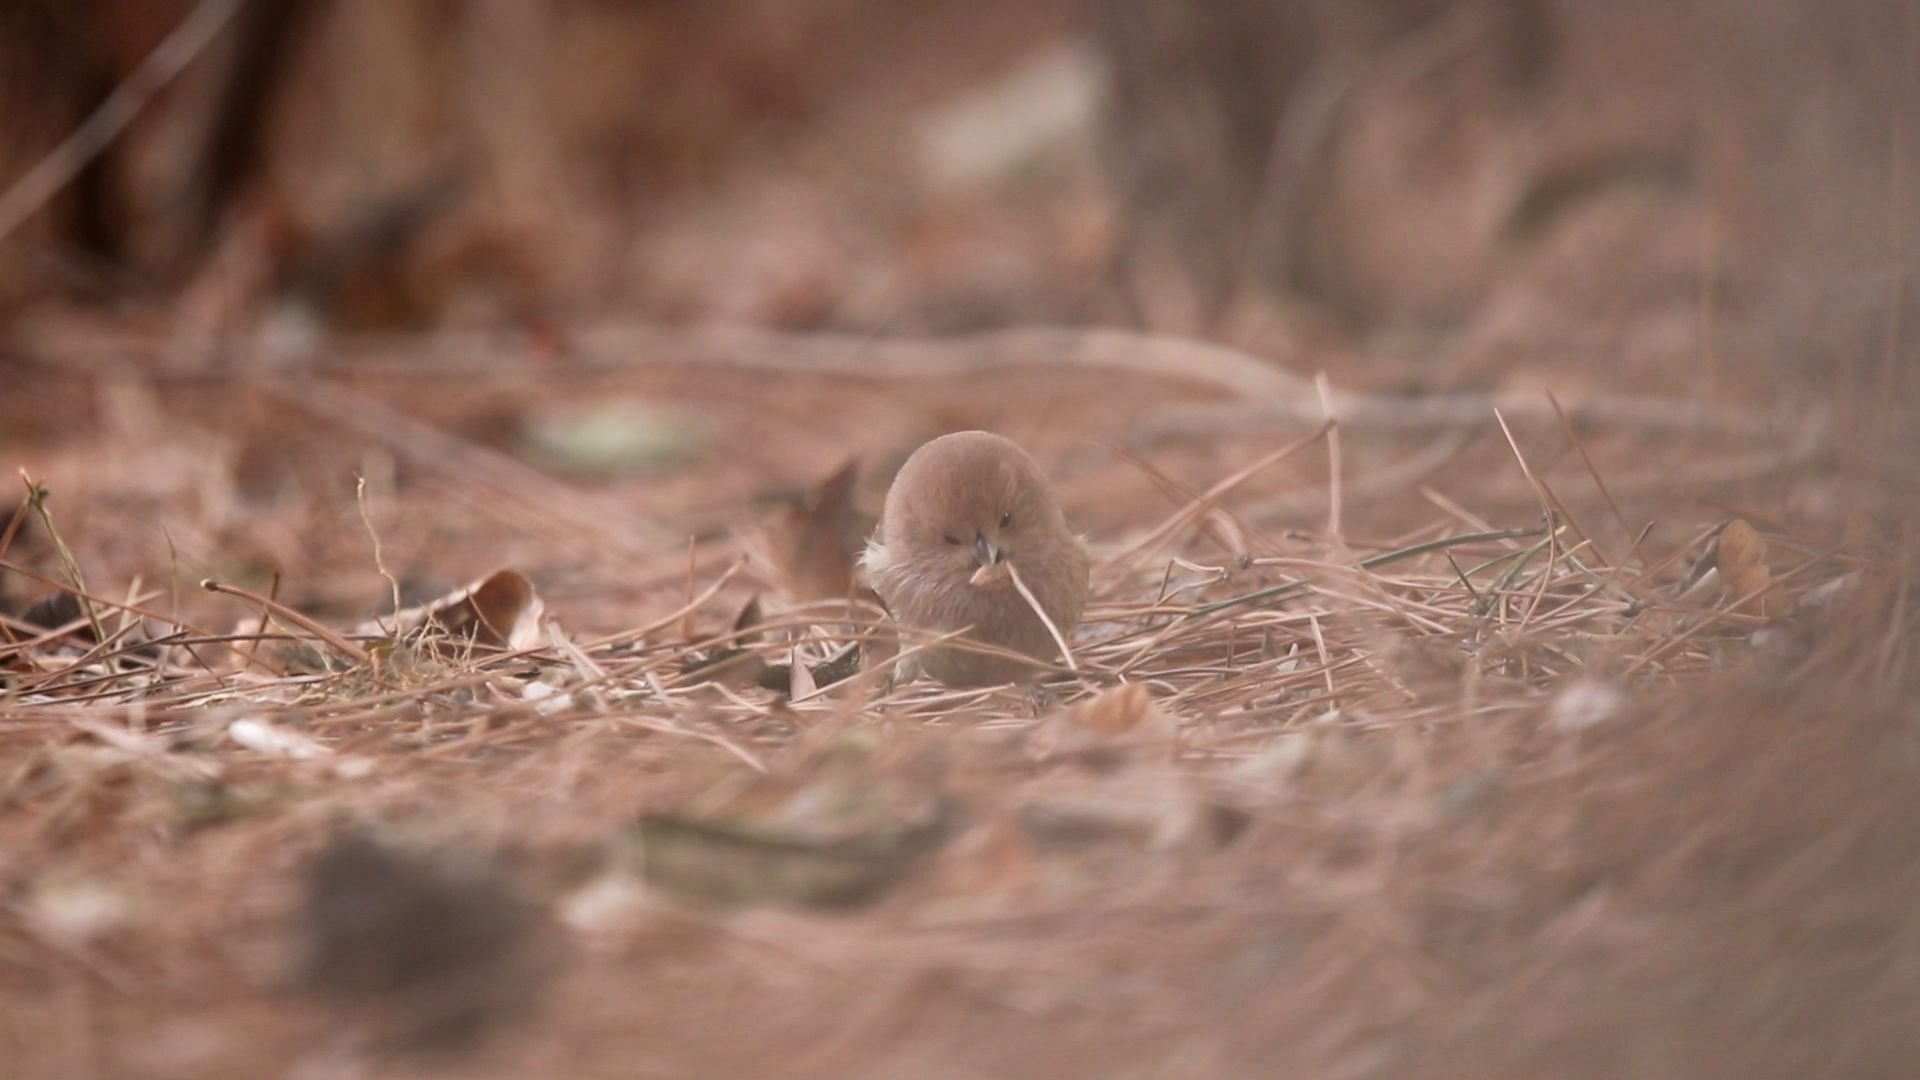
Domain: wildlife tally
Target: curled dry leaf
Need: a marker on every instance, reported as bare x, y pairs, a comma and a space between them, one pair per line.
499, 611
811, 541
1740, 555
1123, 710
1126, 715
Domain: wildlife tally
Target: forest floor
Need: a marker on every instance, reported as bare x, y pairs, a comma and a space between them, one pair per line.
498, 703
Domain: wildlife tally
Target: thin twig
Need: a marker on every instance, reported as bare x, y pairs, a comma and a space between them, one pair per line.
338, 643
1208, 499
1046, 620
1334, 488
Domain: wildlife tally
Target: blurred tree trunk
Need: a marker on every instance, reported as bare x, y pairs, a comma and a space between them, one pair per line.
1226, 114
1398, 163
147, 208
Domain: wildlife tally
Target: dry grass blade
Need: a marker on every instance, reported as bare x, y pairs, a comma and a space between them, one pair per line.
320, 632
1161, 533
1053, 631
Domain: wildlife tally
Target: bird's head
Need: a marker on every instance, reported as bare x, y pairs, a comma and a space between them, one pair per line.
967, 504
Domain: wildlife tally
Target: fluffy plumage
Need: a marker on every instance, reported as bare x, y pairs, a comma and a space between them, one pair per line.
963, 505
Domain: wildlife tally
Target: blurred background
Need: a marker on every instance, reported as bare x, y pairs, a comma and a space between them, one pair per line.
1702, 202
1675, 215
1676, 190
609, 291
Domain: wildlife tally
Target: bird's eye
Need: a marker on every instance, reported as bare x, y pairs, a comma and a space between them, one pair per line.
951, 539
1006, 520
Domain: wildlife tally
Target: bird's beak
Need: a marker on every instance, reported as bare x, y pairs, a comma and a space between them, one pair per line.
985, 552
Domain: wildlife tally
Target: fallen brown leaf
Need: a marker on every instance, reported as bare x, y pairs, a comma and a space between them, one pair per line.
500, 611
1124, 710
811, 542
1114, 720
1741, 557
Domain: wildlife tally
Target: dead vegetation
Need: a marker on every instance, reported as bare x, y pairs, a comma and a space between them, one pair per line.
1310, 797
390, 693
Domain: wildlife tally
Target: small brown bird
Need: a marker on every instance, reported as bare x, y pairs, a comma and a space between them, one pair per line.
964, 511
